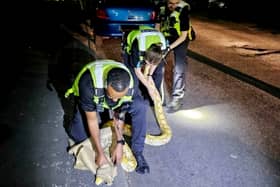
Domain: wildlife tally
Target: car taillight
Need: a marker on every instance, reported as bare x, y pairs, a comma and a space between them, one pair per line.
101, 14
153, 15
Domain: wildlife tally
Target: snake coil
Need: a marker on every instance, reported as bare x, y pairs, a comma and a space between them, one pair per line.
128, 161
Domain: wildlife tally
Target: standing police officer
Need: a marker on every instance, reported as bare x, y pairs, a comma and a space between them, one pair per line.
174, 22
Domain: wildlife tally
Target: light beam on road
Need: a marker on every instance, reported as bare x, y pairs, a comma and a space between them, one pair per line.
206, 117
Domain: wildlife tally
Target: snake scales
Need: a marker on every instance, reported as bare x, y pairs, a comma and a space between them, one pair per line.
166, 132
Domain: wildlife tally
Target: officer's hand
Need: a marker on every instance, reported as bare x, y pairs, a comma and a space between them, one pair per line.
151, 91
168, 49
117, 154
101, 160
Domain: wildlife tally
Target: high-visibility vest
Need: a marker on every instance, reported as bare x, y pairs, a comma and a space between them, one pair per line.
98, 71
173, 21
145, 36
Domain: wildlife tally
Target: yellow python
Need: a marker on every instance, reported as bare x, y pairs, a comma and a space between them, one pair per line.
166, 132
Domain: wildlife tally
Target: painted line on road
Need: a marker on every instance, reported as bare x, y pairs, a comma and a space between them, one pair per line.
273, 90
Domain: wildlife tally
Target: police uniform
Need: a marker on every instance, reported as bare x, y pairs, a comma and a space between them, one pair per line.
137, 42
88, 88
171, 25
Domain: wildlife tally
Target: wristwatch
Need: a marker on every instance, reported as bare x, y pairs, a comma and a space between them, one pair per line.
121, 141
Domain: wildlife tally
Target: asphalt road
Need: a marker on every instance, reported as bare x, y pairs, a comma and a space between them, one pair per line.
218, 148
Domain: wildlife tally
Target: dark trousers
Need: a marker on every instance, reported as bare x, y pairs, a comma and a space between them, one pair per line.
179, 72
158, 75
137, 112
78, 129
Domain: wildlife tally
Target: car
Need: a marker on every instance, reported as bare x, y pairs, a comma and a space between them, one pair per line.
217, 8
235, 10
114, 16
217, 4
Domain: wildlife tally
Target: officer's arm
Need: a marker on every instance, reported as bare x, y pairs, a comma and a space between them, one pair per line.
179, 40
119, 118
118, 125
141, 77
152, 69
93, 126
157, 26
184, 25
147, 81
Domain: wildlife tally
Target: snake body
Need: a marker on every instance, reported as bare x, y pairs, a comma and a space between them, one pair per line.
166, 133
165, 136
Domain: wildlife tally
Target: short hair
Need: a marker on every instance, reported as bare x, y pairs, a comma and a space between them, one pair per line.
118, 78
154, 54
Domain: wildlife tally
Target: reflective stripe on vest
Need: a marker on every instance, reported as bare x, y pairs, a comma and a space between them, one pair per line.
146, 36
98, 71
165, 26
146, 39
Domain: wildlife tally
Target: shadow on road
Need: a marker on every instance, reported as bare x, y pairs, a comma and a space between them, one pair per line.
63, 68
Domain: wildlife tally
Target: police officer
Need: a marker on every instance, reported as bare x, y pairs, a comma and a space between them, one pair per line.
144, 48
100, 86
174, 22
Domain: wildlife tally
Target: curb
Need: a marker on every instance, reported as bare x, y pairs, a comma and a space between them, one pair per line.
272, 90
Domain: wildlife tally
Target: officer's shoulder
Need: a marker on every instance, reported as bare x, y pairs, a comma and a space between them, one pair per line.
86, 78
186, 9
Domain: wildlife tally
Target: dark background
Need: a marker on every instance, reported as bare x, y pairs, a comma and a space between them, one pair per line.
35, 23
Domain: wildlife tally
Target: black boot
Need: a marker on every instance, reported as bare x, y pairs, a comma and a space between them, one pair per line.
142, 165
